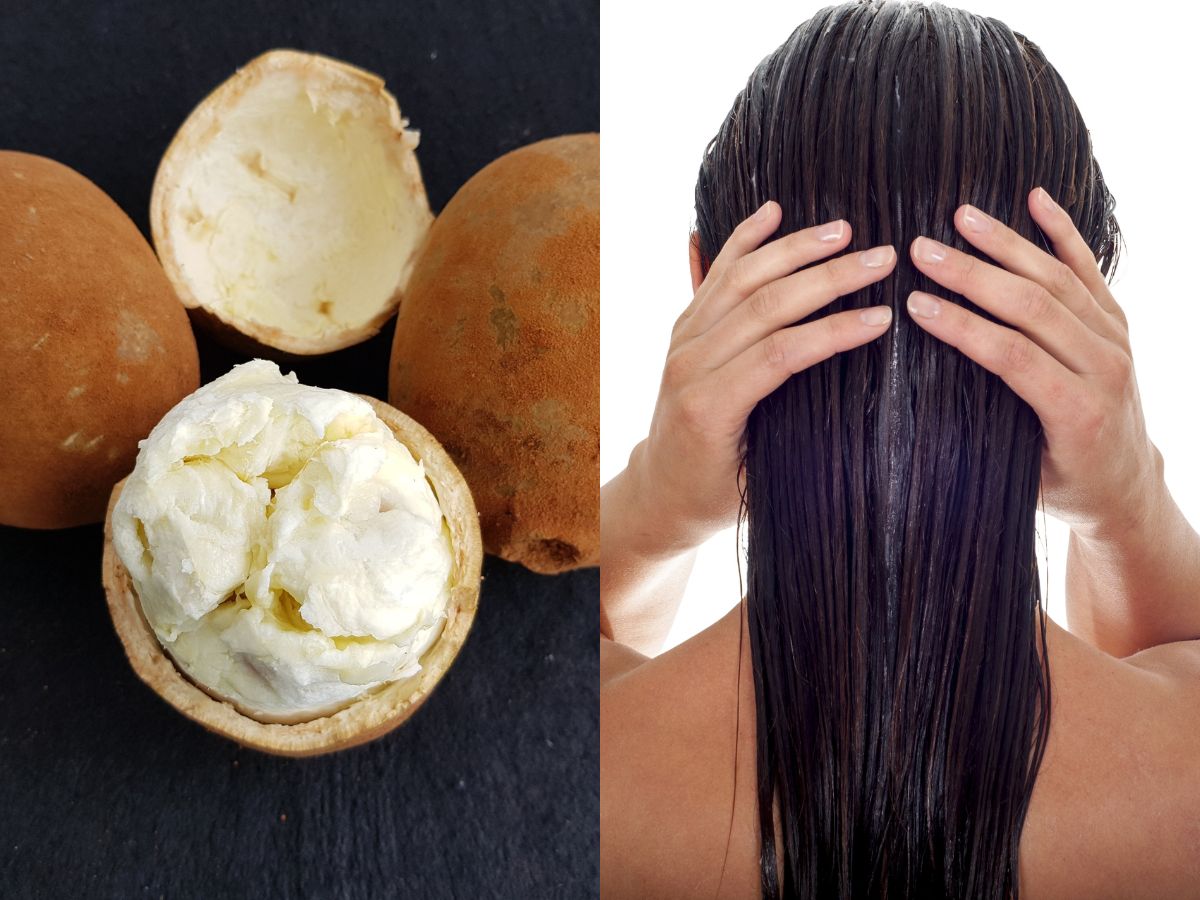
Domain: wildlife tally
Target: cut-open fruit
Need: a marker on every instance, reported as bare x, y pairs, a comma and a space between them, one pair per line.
371, 714
288, 208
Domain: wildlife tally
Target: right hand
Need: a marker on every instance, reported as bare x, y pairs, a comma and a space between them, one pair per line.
733, 345
1067, 355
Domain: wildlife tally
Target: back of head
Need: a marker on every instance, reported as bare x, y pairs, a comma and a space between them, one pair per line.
893, 600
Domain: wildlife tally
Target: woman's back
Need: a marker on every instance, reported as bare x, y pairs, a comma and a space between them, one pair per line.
1115, 810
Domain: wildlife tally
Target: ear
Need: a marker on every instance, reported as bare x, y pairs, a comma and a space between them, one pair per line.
694, 261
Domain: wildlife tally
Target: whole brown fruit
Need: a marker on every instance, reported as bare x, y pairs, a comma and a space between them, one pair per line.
497, 349
94, 346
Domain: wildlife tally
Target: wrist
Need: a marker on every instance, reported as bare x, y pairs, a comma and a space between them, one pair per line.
653, 526
1148, 509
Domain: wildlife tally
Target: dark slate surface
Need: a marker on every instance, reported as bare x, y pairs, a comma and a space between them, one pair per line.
492, 789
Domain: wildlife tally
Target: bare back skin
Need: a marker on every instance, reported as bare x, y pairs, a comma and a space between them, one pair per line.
1115, 812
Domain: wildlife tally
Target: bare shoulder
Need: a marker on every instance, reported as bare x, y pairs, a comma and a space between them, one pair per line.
1114, 810
671, 730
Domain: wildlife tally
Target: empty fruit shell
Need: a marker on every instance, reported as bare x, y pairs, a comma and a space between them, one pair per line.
287, 210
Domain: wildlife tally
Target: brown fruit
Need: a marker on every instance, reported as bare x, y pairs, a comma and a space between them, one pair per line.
371, 715
497, 348
95, 346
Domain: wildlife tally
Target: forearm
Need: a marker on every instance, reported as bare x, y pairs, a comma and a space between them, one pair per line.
1138, 586
643, 568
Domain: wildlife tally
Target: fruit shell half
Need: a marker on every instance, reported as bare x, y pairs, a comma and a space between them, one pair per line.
320, 72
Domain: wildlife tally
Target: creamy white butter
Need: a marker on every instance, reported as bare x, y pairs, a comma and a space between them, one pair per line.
287, 549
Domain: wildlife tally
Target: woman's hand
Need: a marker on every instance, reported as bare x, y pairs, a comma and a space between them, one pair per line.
1067, 356
733, 345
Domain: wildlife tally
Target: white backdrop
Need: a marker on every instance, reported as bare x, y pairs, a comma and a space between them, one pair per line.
669, 75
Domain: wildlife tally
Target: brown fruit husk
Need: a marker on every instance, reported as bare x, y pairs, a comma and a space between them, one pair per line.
497, 349
365, 718
94, 350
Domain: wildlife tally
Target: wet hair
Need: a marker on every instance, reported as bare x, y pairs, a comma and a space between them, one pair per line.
893, 604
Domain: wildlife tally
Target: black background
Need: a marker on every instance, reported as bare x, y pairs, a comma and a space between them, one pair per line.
492, 789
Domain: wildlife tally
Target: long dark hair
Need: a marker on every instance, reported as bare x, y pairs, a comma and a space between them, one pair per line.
894, 609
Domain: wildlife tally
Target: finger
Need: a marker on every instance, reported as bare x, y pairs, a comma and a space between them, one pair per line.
748, 235
1071, 248
748, 273
1023, 258
788, 300
1018, 301
1033, 374
764, 366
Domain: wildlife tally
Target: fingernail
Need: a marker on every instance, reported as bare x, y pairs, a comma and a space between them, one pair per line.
976, 220
876, 315
876, 257
924, 305
763, 212
1046, 201
929, 250
831, 231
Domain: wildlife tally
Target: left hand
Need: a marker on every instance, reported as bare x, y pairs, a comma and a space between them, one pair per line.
1067, 356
